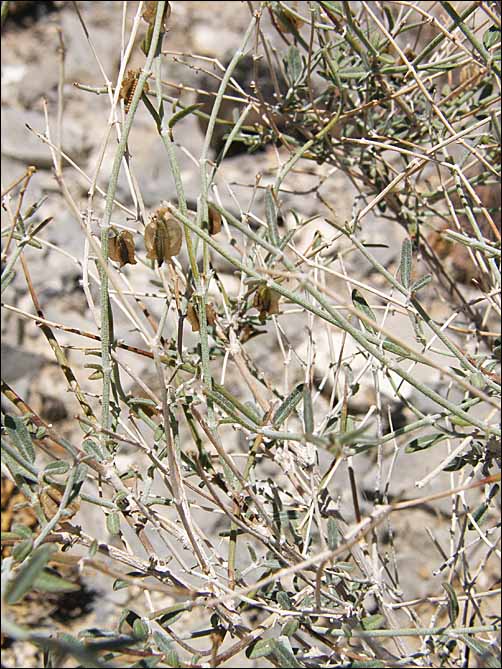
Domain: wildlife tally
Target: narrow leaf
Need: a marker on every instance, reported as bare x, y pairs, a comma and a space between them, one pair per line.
333, 534
361, 305
284, 653
57, 468
491, 37
483, 650
291, 627
140, 629
113, 523
164, 643
294, 64
175, 118
308, 413
421, 443
262, 648
21, 551
271, 216
406, 261
453, 608
47, 582
420, 283
374, 622
288, 406
284, 601
28, 573
20, 437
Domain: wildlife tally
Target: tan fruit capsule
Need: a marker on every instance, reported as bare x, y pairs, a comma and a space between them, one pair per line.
150, 10
266, 301
121, 248
163, 237
193, 316
214, 220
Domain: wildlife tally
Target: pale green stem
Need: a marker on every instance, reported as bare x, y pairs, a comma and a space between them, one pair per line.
106, 327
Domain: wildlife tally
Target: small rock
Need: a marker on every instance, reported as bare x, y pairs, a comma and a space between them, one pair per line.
19, 143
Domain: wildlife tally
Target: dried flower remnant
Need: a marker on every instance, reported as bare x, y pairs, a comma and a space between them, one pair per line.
266, 301
193, 316
129, 87
214, 224
121, 248
163, 237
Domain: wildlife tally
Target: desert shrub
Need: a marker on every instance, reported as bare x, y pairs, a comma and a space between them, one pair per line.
289, 340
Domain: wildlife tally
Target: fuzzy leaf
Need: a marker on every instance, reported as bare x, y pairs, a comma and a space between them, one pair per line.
48, 582
453, 608
113, 523
361, 305
333, 534
406, 262
262, 648
294, 65
484, 651
182, 113
271, 216
420, 283
28, 573
20, 437
288, 405
422, 443
374, 622
308, 413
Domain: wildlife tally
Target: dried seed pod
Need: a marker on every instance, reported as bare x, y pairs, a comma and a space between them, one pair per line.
121, 248
193, 316
129, 87
214, 224
150, 11
163, 237
266, 301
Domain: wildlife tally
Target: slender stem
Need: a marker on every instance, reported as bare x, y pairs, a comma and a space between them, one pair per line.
106, 323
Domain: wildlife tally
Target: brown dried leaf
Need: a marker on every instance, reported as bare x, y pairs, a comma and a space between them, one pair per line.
163, 237
121, 248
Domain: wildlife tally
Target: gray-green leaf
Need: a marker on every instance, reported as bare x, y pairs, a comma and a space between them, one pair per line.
288, 406
20, 437
453, 608
406, 261
28, 573
294, 64
361, 305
